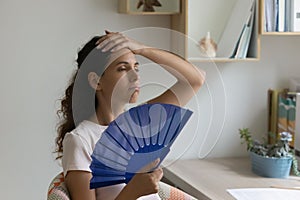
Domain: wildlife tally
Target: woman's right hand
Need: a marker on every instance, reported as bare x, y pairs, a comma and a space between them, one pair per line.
115, 41
143, 183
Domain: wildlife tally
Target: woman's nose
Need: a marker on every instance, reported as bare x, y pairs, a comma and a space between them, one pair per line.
133, 75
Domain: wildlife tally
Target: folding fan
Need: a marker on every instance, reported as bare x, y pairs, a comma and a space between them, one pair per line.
134, 139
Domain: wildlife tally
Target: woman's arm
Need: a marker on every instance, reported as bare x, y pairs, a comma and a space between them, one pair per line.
141, 184
189, 78
78, 183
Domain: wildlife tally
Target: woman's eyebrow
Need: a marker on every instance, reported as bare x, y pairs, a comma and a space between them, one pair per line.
127, 63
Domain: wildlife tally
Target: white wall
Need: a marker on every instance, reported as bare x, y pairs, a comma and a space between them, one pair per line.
38, 43
246, 85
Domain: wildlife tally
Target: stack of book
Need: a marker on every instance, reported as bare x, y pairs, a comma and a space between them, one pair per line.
282, 15
284, 115
236, 37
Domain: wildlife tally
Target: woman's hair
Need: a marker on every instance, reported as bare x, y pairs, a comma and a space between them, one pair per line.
79, 101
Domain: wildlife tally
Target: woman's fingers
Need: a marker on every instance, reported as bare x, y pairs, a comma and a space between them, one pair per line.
114, 41
145, 183
158, 174
110, 39
150, 166
115, 44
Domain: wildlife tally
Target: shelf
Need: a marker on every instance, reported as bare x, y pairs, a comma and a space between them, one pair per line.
195, 20
149, 13
168, 7
262, 24
192, 19
281, 33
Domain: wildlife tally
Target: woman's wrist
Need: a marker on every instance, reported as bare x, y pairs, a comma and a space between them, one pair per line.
142, 50
127, 194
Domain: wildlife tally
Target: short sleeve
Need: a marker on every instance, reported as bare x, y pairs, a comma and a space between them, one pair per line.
76, 154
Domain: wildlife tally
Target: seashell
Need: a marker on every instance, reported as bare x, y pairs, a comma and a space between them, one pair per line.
207, 46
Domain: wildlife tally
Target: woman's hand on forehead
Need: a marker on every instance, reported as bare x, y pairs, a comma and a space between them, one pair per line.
115, 41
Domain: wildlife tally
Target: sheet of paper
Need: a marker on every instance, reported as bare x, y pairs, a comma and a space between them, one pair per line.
264, 194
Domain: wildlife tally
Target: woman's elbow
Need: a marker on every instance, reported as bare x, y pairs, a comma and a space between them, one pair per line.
198, 80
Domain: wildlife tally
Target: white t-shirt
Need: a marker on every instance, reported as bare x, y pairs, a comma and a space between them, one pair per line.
78, 146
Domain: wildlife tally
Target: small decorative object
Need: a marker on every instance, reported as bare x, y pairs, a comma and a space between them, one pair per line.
134, 139
148, 5
207, 46
271, 160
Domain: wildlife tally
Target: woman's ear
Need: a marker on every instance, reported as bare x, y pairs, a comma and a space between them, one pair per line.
94, 81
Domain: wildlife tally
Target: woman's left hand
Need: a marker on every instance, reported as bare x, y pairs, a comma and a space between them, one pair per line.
115, 41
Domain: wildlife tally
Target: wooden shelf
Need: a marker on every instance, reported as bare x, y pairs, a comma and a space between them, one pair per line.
190, 16
130, 7
281, 33
149, 13
187, 21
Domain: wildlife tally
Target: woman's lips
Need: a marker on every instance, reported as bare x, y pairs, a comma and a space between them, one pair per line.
136, 88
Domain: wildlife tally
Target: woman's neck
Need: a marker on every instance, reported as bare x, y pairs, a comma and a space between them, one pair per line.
105, 114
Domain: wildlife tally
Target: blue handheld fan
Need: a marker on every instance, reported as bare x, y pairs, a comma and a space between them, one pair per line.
134, 139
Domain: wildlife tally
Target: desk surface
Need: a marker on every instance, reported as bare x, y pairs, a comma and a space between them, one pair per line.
209, 178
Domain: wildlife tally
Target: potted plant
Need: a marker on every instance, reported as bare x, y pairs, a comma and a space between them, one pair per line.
271, 160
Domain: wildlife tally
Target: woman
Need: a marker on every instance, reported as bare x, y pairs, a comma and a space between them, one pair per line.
106, 80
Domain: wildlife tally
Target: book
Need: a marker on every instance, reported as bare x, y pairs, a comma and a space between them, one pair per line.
295, 15
291, 115
270, 19
283, 108
297, 128
246, 36
241, 41
272, 116
282, 117
288, 16
230, 37
280, 16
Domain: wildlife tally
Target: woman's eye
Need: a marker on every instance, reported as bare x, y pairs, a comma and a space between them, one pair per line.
122, 68
136, 69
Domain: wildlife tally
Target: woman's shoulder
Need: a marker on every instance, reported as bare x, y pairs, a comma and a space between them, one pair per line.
87, 126
87, 131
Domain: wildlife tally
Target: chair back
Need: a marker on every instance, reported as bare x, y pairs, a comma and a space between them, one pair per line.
57, 189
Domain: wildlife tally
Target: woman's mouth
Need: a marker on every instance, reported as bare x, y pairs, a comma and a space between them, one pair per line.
135, 88
134, 96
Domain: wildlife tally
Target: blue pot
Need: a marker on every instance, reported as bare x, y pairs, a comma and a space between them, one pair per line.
271, 167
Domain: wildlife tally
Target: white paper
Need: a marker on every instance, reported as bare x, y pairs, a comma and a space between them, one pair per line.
264, 194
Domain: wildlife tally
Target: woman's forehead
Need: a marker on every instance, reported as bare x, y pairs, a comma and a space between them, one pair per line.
124, 56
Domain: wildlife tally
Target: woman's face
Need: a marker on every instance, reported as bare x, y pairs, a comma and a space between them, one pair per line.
120, 81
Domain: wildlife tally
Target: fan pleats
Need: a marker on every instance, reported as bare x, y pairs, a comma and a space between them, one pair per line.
134, 139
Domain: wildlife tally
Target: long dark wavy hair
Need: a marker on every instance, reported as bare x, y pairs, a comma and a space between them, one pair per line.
79, 101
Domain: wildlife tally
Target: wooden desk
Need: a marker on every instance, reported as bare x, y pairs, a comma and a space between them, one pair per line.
209, 178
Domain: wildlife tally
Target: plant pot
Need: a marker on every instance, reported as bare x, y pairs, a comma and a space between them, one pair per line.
271, 167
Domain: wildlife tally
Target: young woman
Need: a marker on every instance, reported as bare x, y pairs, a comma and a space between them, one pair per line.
106, 80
